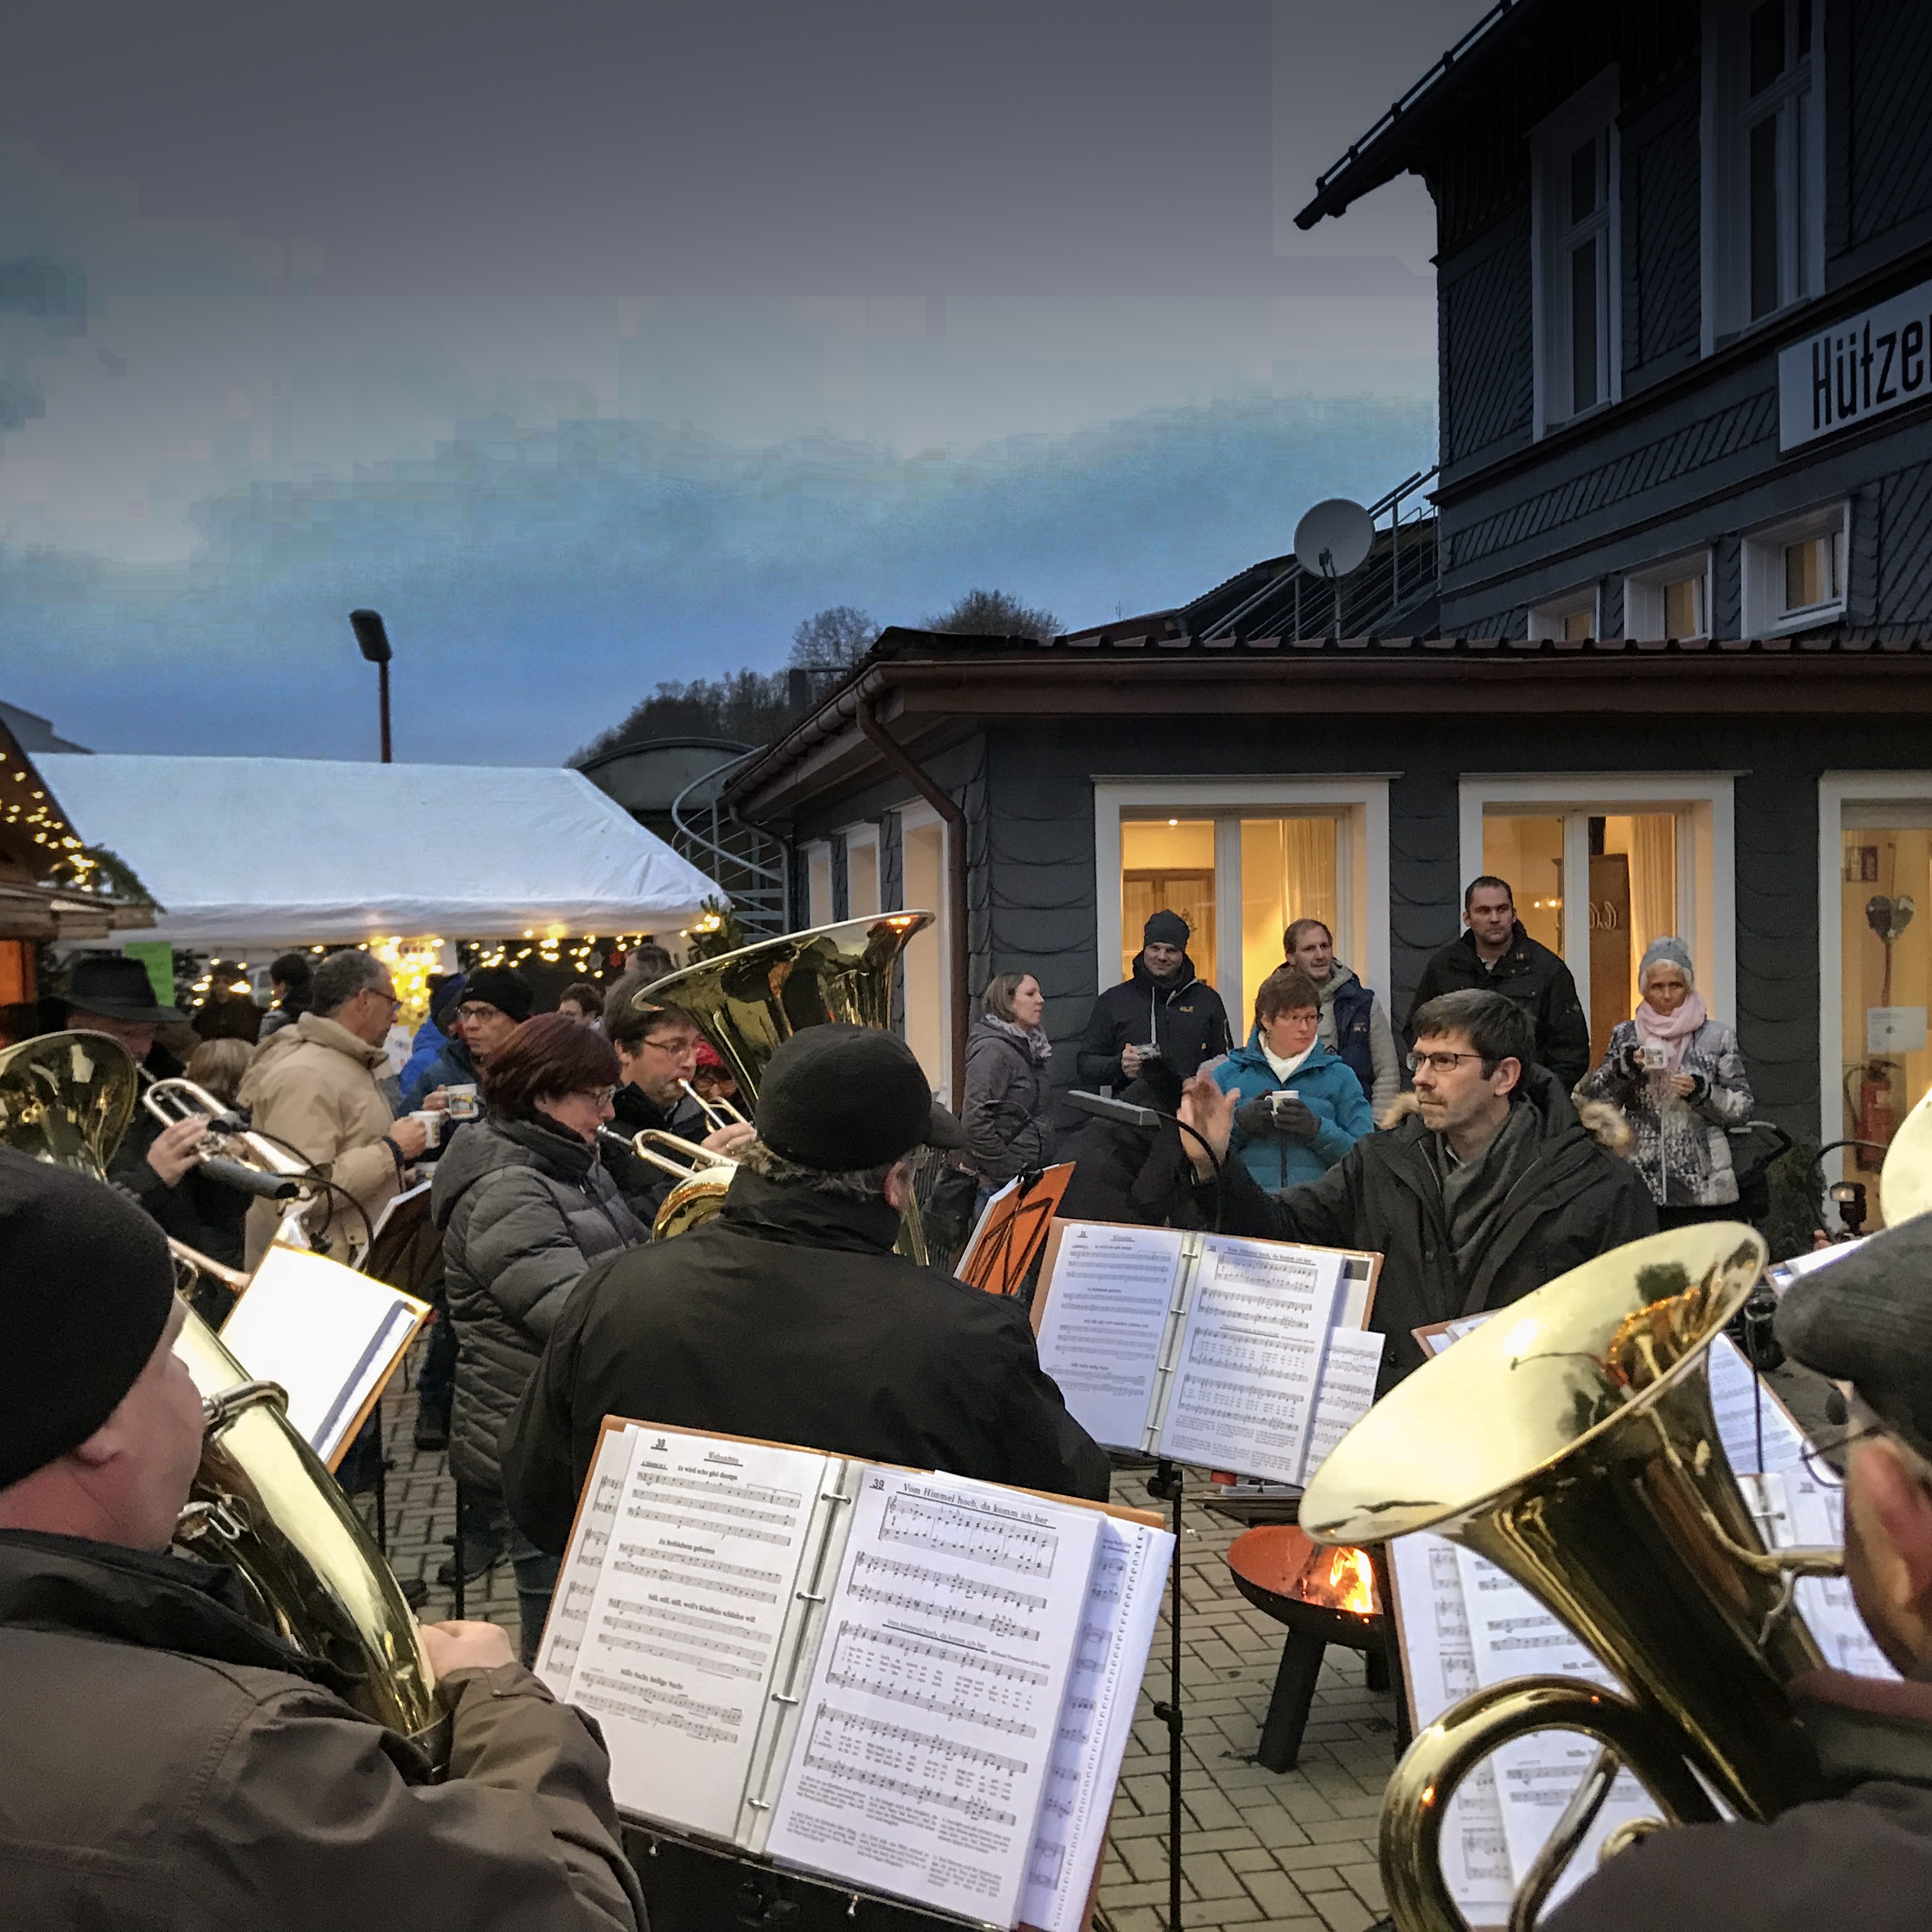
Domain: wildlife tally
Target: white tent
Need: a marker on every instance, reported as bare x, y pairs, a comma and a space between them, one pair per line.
261, 853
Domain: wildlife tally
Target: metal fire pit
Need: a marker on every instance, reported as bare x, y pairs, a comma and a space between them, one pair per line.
1279, 1571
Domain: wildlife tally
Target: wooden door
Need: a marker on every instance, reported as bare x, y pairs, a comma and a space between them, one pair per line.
1612, 996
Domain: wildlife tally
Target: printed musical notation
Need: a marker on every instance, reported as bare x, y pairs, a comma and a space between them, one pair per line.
923, 1767
974, 1688
719, 1522
628, 1625
978, 1535
676, 1566
662, 1708
783, 1500
944, 1596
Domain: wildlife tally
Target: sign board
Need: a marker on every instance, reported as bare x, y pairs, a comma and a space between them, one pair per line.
1866, 365
1894, 1029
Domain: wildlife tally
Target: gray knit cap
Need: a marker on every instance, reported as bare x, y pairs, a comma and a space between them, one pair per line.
1670, 947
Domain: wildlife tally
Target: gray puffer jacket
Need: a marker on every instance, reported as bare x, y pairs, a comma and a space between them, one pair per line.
1005, 1113
524, 1208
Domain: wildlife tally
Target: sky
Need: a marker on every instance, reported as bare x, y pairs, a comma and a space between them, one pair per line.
598, 344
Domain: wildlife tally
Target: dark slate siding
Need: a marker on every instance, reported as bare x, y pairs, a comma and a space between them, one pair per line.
1485, 334
1661, 222
1888, 65
841, 877
1776, 1019
1425, 884
1903, 567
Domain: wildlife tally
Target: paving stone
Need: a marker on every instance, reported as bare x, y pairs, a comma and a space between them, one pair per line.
1275, 1893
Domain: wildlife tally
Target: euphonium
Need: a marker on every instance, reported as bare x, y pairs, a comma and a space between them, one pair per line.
749, 1003
1570, 1440
261, 1502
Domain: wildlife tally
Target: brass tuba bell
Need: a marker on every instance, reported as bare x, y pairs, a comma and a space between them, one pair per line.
1569, 1439
262, 1500
748, 1004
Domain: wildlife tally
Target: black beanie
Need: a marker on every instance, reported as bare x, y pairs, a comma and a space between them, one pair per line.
1165, 928
839, 1097
86, 1287
502, 987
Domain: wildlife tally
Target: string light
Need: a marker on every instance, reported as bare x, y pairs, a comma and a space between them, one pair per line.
411, 963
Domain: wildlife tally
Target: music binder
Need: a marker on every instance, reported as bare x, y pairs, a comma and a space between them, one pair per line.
1212, 1349
918, 1684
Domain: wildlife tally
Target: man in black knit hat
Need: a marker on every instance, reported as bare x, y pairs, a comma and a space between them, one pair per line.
1160, 1012
163, 1745
789, 1317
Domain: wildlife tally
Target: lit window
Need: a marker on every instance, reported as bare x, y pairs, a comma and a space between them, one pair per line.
1794, 574
1668, 600
1810, 574
1572, 618
1577, 626
1683, 616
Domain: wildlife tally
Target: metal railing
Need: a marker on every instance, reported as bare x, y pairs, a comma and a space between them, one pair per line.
747, 862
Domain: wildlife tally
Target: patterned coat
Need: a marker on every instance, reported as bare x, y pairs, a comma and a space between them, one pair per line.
1682, 1149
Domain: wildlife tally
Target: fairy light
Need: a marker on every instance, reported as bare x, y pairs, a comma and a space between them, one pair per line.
411, 962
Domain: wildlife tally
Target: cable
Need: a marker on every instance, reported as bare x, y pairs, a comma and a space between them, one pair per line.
315, 1178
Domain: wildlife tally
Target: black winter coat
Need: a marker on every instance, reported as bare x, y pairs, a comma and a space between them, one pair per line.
642, 1186
1576, 1201
789, 1318
1007, 1100
1126, 1174
525, 1208
1183, 1015
1532, 976
1862, 1860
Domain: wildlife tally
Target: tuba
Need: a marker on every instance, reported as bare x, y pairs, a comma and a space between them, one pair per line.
261, 1502
1570, 1440
748, 1004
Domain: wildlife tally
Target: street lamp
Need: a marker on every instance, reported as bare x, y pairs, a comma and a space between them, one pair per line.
374, 642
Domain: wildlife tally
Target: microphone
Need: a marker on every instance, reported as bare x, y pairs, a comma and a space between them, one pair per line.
1123, 1113
254, 1180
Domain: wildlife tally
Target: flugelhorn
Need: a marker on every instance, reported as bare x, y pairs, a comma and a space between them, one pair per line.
1569, 1439
232, 1152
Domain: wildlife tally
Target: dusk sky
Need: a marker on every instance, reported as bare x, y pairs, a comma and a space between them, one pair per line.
598, 344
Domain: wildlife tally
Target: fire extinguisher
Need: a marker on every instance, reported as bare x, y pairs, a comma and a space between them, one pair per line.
1874, 1107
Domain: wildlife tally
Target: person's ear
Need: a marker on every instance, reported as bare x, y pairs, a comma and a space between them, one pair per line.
1892, 1516
897, 1187
1508, 1075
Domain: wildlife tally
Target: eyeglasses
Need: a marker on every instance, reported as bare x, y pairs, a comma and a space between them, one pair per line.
469, 1013
673, 1045
390, 998
1438, 1063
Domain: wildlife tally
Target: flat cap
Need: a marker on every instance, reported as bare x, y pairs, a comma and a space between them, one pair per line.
1866, 1319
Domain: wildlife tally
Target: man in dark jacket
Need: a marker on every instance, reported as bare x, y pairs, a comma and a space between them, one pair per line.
790, 1318
496, 999
1492, 1188
170, 1759
1495, 952
1861, 1856
1162, 1005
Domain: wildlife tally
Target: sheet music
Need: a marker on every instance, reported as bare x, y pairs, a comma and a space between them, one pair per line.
396, 1201
1107, 1307
1346, 1393
682, 1636
1250, 1357
1441, 1661
1512, 1635
331, 1337
1742, 1405
1130, 1567
1799, 1506
583, 1561
921, 1752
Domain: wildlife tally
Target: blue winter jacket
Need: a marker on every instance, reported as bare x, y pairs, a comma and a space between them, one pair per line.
1331, 1090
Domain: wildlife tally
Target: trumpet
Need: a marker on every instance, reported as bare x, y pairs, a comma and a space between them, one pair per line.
232, 1152
719, 1112
703, 1176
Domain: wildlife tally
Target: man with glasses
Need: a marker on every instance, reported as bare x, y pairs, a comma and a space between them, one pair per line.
1862, 1853
312, 1086
495, 1000
1489, 1187
657, 1054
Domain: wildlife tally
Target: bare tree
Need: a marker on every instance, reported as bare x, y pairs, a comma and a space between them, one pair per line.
834, 639
992, 613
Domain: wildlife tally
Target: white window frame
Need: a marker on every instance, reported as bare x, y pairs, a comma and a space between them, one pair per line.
861, 849
1591, 112
1359, 800
1707, 864
815, 854
916, 816
1728, 115
1546, 619
1643, 594
1761, 566
1836, 789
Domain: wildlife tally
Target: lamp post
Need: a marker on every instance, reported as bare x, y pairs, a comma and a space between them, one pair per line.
374, 642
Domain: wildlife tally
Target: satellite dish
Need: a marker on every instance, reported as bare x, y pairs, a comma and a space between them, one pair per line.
1333, 538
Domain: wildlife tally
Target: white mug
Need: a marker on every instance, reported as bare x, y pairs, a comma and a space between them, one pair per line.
432, 1126
463, 1104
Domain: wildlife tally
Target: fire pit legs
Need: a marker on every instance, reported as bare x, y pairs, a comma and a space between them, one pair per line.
1280, 1747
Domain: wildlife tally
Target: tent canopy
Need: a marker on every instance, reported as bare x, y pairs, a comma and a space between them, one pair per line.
271, 852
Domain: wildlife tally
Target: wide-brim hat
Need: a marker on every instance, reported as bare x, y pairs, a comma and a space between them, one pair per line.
117, 988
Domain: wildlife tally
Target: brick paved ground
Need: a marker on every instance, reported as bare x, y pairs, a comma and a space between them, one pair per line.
1296, 1849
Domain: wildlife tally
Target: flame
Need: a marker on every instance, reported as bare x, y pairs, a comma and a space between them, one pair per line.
1341, 1578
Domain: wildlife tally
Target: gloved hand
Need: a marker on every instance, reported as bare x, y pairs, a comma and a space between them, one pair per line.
1294, 1120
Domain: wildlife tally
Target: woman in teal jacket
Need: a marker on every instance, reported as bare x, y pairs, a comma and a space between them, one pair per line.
1283, 1143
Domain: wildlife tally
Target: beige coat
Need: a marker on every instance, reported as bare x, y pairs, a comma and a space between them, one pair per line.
313, 1085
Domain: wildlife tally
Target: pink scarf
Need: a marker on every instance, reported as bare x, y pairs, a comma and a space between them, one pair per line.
1671, 1031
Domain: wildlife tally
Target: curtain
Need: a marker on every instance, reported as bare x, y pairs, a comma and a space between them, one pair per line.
1653, 857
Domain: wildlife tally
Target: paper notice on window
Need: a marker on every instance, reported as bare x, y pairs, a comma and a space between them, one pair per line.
1124, 1601
922, 1752
683, 1633
583, 1561
1346, 1393
1107, 1307
1512, 1635
1250, 1357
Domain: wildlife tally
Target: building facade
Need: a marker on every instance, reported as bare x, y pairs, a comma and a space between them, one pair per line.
1671, 672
